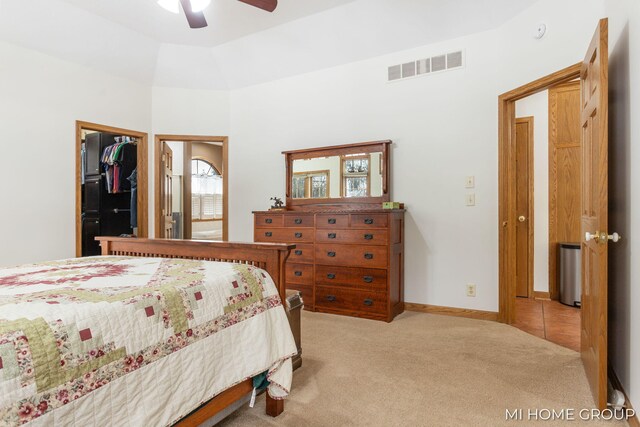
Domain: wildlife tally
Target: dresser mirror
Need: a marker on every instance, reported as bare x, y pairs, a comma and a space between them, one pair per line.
353, 174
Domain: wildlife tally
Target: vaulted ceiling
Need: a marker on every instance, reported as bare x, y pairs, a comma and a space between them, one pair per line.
242, 45
228, 19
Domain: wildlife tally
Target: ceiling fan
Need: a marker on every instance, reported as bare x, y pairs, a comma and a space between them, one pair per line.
193, 8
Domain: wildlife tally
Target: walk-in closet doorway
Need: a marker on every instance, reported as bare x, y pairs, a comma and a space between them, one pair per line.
111, 194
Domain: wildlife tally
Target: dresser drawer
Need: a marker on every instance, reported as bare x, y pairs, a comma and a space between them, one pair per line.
284, 235
303, 253
351, 255
369, 220
301, 274
366, 278
332, 221
307, 294
269, 220
365, 237
350, 300
301, 220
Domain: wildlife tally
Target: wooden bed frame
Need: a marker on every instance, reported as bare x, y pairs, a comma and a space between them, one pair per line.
268, 256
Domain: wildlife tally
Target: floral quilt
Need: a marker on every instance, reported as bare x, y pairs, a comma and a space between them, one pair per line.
134, 341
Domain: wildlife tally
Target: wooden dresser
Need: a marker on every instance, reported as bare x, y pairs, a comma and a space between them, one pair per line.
346, 262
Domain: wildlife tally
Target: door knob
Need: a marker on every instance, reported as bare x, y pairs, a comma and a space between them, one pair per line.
615, 237
602, 237
521, 218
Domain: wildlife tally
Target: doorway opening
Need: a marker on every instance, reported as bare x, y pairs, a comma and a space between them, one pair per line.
548, 201
111, 194
509, 217
191, 197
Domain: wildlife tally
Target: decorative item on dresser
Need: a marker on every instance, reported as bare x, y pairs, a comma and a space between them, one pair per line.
349, 254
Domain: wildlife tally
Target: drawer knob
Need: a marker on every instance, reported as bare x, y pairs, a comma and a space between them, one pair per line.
268, 220
368, 221
298, 220
298, 252
268, 234
331, 254
368, 301
331, 276
298, 235
298, 273
331, 298
331, 220
331, 235
368, 236
368, 256
368, 279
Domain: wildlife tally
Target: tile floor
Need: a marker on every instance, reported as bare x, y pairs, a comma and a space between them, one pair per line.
550, 320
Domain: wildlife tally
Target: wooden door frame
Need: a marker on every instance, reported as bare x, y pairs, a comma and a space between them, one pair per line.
530, 212
143, 191
159, 139
506, 184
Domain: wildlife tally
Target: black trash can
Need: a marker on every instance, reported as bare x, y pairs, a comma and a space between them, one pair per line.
570, 274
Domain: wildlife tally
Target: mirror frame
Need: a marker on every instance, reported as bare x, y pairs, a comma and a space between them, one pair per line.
340, 203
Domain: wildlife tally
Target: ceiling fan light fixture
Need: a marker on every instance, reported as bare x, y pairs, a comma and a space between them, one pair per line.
172, 6
199, 5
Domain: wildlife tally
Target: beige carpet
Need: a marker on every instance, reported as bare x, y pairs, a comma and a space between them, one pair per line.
424, 370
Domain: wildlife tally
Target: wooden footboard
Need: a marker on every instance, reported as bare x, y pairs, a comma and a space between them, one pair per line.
268, 256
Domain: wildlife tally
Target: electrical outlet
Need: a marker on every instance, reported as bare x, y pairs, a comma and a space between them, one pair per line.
470, 182
471, 289
471, 199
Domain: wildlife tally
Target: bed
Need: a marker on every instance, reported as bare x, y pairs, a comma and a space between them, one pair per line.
151, 333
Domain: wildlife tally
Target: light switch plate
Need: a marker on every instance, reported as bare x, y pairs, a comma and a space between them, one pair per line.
470, 182
471, 199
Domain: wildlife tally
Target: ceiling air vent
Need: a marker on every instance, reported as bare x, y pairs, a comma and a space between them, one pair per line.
395, 72
438, 63
454, 60
408, 69
431, 65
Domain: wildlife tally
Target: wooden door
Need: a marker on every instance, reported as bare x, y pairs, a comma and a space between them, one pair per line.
565, 159
524, 207
167, 191
593, 119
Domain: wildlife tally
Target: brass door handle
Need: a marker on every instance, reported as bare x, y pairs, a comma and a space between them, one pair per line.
521, 218
602, 237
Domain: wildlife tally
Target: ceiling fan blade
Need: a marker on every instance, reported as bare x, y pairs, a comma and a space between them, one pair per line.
268, 5
195, 19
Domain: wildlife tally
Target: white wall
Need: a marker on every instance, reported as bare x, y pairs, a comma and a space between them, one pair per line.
444, 127
624, 198
40, 99
537, 106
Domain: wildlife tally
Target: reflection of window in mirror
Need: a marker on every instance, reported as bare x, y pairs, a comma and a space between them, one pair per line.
206, 191
310, 185
355, 175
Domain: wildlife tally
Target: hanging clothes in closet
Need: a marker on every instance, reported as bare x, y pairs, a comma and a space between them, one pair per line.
119, 160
